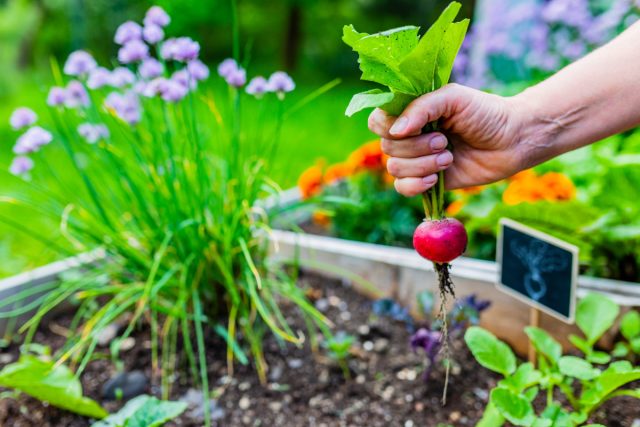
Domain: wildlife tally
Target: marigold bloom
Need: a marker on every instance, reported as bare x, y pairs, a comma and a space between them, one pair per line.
369, 156
527, 186
557, 186
337, 172
469, 191
310, 181
321, 218
454, 207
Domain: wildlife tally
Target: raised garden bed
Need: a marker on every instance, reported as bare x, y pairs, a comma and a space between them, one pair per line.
305, 388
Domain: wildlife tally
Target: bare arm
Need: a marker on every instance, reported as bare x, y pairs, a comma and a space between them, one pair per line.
495, 137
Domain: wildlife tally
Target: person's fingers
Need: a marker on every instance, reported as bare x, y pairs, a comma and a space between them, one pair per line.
419, 166
416, 146
380, 123
413, 186
425, 109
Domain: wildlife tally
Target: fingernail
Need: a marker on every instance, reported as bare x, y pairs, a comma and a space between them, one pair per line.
399, 125
430, 180
438, 143
444, 159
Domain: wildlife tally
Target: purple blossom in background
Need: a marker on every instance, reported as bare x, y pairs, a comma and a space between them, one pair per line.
430, 342
93, 133
133, 51
21, 165
22, 117
573, 13
155, 87
281, 82
227, 67
57, 96
237, 78
32, 140
98, 78
184, 78
150, 68
257, 86
126, 106
79, 63
180, 49
128, 32
157, 16
173, 91
198, 70
153, 34
121, 77
76, 95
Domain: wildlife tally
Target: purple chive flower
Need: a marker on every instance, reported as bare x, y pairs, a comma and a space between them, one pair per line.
173, 91
237, 78
157, 16
57, 96
21, 165
181, 49
126, 107
198, 70
98, 78
257, 86
93, 133
127, 32
280, 82
154, 87
22, 117
150, 68
152, 34
430, 342
227, 67
76, 95
121, 77
133, 51
79, 63
32, 140
184, 78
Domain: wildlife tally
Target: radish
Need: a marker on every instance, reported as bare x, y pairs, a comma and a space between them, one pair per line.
441, 240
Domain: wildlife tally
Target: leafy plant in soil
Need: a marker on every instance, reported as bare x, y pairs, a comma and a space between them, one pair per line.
339, 349
411, 66
585, 383
144, 411
629, 347
40, 377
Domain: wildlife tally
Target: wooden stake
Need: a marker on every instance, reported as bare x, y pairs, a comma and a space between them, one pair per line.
534, 320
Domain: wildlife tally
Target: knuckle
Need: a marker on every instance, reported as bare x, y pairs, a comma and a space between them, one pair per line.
393, 166
387, 146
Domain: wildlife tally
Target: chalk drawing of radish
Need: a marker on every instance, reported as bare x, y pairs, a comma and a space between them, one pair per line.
537, 257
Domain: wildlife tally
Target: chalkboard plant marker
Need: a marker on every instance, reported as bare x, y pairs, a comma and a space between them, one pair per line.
411, 66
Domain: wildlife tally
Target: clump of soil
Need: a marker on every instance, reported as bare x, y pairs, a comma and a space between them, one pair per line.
306, 388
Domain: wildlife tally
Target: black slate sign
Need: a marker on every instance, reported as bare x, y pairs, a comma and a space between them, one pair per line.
538, 269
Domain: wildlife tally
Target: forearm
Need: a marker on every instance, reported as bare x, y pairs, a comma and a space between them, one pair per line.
593, 98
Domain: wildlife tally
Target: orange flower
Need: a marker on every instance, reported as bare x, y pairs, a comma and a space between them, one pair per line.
527, 186
368, 156
469, 191
310, 181
321, 218
454, 207
337, 172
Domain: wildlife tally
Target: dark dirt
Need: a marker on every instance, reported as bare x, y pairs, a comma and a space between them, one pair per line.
306, 389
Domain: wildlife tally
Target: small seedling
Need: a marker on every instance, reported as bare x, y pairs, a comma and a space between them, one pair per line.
339, 349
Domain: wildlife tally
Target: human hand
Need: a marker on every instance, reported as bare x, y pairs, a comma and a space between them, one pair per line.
485, 132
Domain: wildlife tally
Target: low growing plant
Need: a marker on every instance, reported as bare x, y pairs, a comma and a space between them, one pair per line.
339, 349
144, 411
585, 383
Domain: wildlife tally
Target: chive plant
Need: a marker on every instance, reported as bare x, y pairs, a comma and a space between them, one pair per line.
165, 177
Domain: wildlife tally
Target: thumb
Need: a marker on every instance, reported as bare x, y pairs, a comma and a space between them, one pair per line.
426, 109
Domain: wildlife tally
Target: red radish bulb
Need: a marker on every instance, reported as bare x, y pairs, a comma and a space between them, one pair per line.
441, 240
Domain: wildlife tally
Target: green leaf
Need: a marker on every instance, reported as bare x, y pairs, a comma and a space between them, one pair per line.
576, 367
524, 377
491, 417
451, 44
144, 411
615, 376
420, 65
544, 343
489, 351
369, 99
558, 416
580, 344
56, 385
515, 408
635, 345
398, 104
380, 54
599, 357
620, 350
630, 325
595, 315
